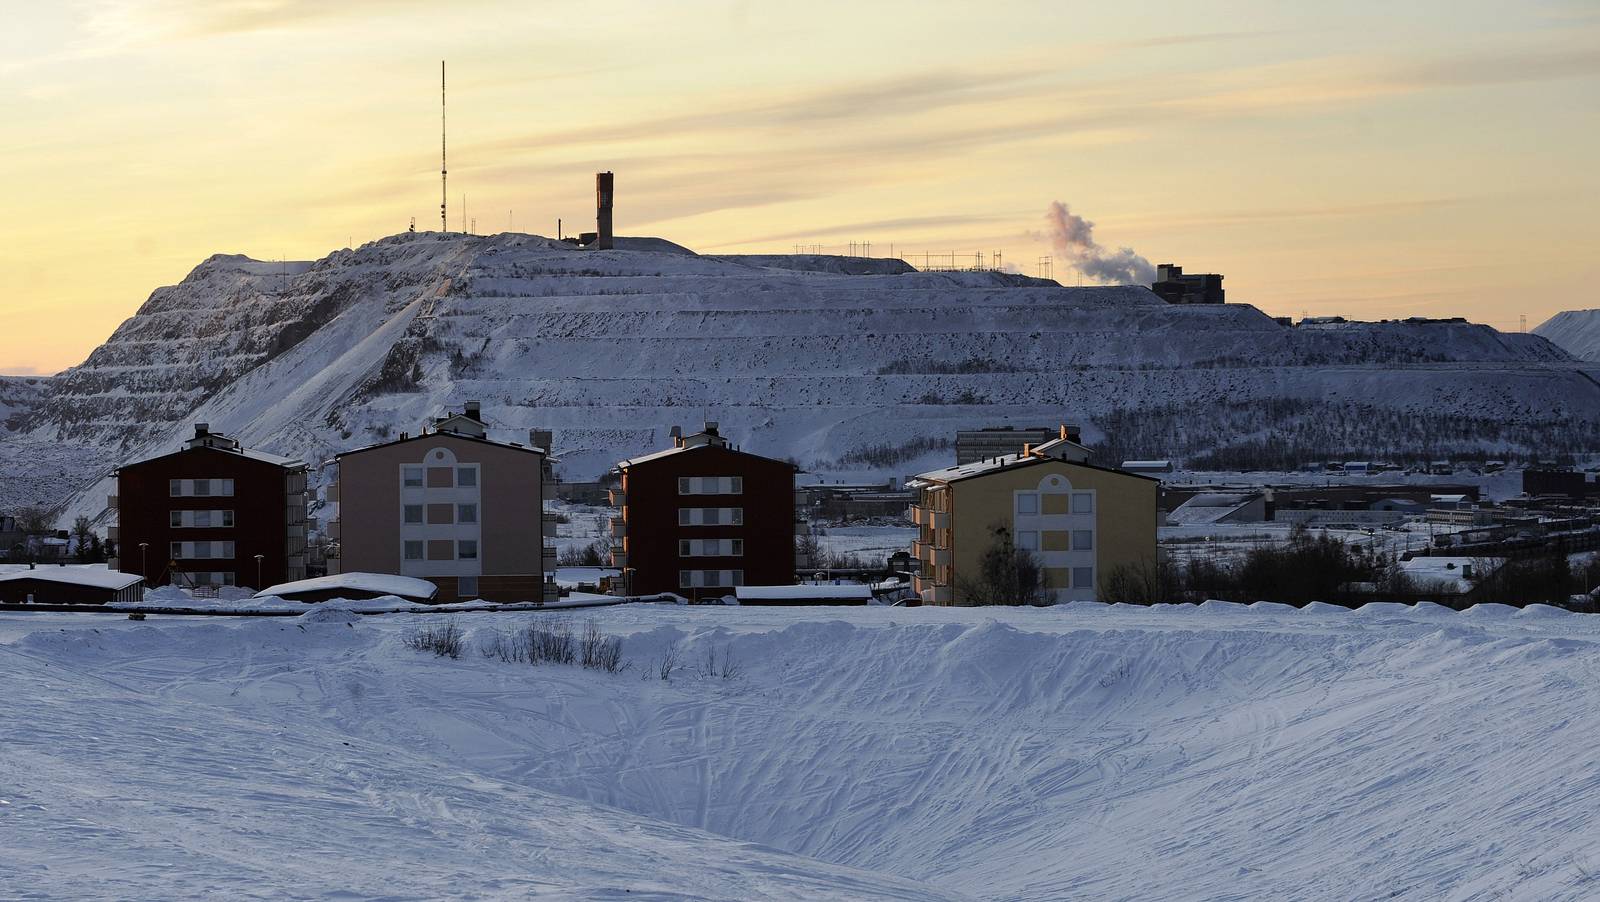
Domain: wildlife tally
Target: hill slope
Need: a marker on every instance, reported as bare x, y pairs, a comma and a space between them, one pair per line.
843, 365
1575, 331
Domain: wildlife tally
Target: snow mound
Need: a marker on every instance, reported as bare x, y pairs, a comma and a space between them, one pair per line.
323, 613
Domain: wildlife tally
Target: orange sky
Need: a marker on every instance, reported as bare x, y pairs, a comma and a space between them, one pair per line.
1435, 159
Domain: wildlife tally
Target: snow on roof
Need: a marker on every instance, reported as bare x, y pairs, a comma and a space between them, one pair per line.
1448, 573
92, 577
976, 468
1207, 507
657, 455
382, 583
1146, 464
764, 593
264, 457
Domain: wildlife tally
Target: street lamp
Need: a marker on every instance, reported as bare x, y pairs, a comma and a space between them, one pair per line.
144, 571
258, 572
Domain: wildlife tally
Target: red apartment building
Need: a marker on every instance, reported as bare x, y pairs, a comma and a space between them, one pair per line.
701, 517
212, 514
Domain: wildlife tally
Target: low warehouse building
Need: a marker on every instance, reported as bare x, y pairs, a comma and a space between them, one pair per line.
70, 585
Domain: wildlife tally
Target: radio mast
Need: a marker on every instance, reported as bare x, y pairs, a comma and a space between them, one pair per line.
444, 173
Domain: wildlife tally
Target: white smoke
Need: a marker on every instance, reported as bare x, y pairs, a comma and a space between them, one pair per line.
1072, 237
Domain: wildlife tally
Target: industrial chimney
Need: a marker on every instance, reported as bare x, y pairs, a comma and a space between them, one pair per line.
602, 210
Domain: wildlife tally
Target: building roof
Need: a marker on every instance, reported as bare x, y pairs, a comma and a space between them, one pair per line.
288, 463
510, 446
380, 583
1008, 462
670, 452
88, 577
1209, 507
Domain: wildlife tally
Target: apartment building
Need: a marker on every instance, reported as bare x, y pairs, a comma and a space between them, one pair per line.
448, 505
701, 518
1078, 520
211, 514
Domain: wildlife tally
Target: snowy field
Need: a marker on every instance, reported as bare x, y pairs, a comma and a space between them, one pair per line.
1218, 751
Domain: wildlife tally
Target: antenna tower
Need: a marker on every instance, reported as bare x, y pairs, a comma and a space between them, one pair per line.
444, 172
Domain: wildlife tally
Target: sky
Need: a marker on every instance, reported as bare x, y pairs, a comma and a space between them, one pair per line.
1368, 159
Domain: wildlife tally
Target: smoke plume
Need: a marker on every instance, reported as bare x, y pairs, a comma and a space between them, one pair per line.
1072, 237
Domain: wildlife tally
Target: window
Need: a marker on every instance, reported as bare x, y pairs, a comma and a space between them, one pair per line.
1027, 504
1083, 540
736, 516
202, 518
175, 519
227, 517
737, 487
1057, 578
685, 516
467, 586
709, 516
1083, 577
202, 549
202, 487
411, 477
174, 487
413, 513
1083, 502
175, 550
685, 547
685, 486
413, 549
710, 485
736, 547
1028, 539
467, 550
685, 579
466, 513
466, 476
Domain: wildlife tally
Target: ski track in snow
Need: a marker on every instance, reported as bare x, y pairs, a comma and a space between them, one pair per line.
1218, 751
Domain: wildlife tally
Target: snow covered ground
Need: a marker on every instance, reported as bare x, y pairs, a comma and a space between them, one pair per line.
1086, 751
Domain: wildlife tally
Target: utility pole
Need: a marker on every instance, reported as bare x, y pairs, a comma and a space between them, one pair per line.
444, 173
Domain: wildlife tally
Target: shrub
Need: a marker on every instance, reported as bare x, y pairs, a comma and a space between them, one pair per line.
444, 640
599, 651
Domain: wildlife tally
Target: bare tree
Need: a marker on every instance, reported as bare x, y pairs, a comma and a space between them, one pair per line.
1007, 575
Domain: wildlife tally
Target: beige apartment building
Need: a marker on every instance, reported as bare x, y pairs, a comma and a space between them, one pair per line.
450, 506
1079, 520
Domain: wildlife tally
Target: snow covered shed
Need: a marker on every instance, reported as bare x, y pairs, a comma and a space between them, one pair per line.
70, 585
842, 594
353, 587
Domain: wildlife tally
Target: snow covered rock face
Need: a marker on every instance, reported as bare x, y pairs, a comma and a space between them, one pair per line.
843, 365
1575, 331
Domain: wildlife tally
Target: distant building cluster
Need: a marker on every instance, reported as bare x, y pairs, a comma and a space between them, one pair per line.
1174, 287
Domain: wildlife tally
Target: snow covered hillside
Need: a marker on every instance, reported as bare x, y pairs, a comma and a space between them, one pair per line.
841, 364
1085, 751
1575, 331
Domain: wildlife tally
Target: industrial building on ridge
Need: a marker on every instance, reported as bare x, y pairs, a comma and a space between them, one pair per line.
1079, 520
1176, 288
450, 506
973, 445
702, 518
211, 514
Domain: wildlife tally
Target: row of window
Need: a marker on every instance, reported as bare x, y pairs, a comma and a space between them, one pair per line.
200, 488
201, 551
1056, 539
1069, 577
1033, 504
711, 548
710, 579
710, 516
211, 577
437, 514
458, 550
418, 476
711, 485
199, 519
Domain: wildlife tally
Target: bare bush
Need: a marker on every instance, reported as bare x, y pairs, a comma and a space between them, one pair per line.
669, 662
599, 651
551, 646
445, 639
726, 667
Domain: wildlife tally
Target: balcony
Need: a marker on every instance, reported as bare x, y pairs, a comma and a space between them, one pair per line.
619, 558
333, 529
938, 595
331, 493
619, 527
114, 533
549, 557
111, 501
939, 519
617, 497
547, 491
550, 519
942, 557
